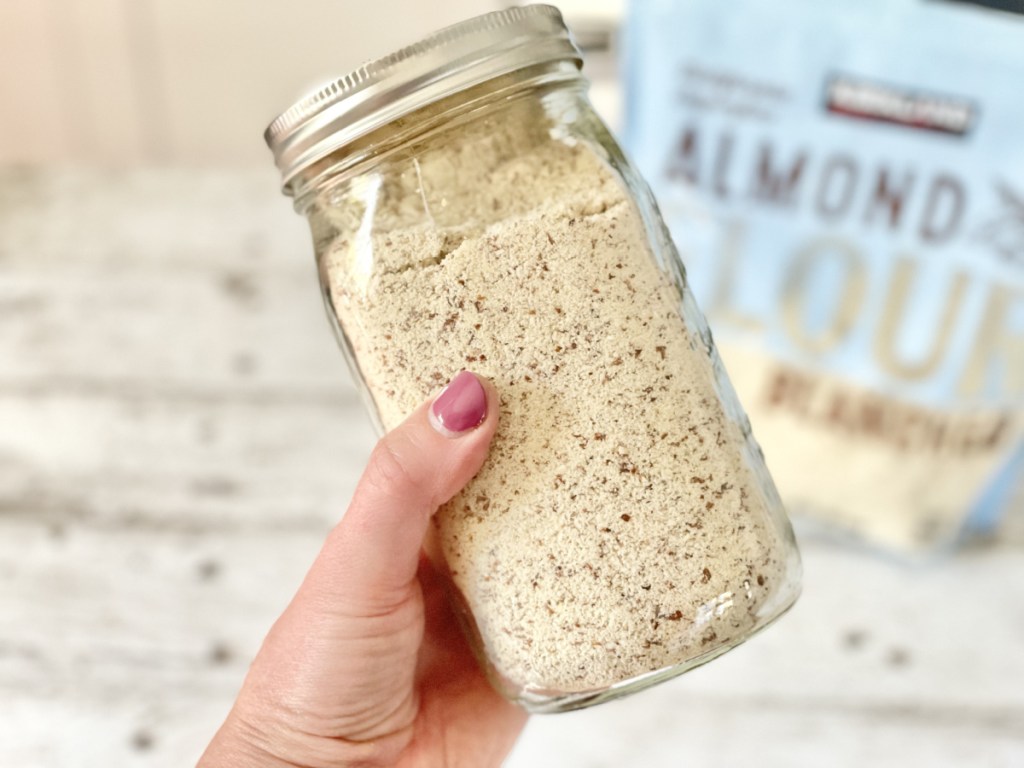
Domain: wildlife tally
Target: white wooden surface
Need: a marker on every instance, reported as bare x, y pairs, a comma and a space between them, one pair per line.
178, 431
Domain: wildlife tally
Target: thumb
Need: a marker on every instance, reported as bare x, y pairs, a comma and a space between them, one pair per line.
370, 560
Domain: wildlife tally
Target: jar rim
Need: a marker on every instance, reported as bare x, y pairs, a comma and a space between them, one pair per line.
446, 62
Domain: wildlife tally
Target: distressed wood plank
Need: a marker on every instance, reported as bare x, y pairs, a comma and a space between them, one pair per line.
713, 732
160, 597
110, 462
256, 329
50, 220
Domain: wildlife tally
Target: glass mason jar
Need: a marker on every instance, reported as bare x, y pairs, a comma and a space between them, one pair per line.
470, 210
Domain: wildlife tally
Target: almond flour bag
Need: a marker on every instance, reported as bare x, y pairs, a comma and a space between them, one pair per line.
847, 185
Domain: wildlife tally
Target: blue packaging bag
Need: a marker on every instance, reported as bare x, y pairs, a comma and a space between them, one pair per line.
846, 185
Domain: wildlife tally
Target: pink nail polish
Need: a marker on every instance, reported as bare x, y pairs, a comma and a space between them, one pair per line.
461, 405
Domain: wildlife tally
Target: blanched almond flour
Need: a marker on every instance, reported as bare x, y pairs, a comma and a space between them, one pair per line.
615, 528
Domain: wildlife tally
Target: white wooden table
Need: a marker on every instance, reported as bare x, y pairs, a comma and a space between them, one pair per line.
178, 431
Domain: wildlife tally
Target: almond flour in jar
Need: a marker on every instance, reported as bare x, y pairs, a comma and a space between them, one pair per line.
623, 528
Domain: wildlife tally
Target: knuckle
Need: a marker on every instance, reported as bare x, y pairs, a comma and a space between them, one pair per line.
388, 472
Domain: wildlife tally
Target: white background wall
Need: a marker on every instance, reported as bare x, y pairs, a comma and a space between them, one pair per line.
125, 82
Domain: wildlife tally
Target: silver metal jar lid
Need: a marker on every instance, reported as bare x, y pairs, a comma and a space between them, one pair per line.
448, 61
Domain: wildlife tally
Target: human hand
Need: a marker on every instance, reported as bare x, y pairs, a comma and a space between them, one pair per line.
367, 667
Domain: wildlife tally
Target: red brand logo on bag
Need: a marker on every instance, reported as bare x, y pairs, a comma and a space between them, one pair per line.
855, 97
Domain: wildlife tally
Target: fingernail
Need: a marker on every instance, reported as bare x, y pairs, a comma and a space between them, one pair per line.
461, 406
